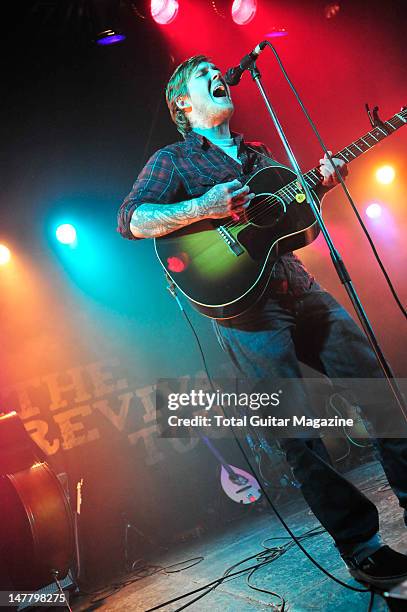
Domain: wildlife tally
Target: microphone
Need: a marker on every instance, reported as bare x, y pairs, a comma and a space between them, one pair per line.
233, 75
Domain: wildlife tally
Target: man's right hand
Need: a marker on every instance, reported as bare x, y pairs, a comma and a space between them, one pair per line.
151, 220
225, 200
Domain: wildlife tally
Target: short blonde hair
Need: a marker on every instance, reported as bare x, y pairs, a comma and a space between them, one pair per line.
177, 86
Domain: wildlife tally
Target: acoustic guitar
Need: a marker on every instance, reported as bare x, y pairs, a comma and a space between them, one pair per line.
224, 266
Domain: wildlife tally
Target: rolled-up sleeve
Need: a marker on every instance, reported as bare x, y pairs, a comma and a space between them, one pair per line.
159, 182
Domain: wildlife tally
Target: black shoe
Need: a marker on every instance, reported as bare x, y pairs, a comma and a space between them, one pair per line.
383, 569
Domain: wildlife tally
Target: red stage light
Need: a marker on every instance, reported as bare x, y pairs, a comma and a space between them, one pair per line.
164, 11
331, 10
243, 11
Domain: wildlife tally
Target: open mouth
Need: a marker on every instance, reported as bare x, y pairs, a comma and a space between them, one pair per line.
219, 91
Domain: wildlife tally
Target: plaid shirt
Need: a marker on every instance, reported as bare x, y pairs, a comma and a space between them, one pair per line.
188, 169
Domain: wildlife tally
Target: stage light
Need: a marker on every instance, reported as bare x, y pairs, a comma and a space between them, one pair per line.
66, 233
5, 255
106, 22
374, 211
276, 33
385, 175
164, 11
331, 10
243, 11
109, 37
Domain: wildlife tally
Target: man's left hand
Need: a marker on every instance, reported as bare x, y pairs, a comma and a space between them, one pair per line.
327, 170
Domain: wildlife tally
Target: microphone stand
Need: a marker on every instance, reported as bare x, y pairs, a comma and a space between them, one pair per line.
339, 265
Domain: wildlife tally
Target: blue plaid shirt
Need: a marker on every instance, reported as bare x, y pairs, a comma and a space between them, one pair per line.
188, 169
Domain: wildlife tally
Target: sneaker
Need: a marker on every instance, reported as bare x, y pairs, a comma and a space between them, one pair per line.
383, 569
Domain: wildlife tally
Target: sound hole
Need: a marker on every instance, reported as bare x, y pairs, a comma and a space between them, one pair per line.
265, 210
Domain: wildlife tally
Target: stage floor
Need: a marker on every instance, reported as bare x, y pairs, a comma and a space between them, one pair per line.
291, 575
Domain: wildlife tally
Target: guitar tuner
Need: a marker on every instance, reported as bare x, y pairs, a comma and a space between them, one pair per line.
375, 120
369, 114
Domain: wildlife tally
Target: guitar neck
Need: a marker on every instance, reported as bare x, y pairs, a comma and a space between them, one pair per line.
217, 454
363, 144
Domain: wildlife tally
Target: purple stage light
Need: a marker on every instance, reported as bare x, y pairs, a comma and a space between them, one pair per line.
277, 33
374, 211
109, 37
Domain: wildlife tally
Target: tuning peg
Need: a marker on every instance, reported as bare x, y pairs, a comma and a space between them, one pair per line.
376, 117
369, 114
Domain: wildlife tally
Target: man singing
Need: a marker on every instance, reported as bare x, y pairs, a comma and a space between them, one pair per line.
202, 177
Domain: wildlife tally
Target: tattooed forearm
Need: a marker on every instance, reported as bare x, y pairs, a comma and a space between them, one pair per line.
154, 220
223, 200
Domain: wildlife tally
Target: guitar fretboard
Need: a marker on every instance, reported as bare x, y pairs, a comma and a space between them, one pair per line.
349, 153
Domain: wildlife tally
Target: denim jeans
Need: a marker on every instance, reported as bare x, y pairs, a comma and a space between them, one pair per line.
268, 341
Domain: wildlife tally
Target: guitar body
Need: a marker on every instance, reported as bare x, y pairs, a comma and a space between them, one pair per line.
36, 530
223, 267
239, 485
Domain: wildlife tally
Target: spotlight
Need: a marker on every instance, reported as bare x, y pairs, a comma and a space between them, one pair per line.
164, 11
385, 175
4, 255
109, 37
374, 211
66, 233
331, 10
243, 11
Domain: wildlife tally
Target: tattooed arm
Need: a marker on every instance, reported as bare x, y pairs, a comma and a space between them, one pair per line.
223, 200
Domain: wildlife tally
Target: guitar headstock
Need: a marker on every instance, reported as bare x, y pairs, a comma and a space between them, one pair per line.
403, 112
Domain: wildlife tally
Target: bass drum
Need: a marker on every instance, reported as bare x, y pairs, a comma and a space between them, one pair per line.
36, 522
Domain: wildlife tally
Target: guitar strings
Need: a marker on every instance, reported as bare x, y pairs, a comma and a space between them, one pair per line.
207, 248
261, 208
257, 205
284, 190
263, 205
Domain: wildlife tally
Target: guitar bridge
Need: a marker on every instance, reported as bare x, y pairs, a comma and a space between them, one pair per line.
244, 489
231, 241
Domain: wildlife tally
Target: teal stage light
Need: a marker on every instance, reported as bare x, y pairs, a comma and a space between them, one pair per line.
66, 233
